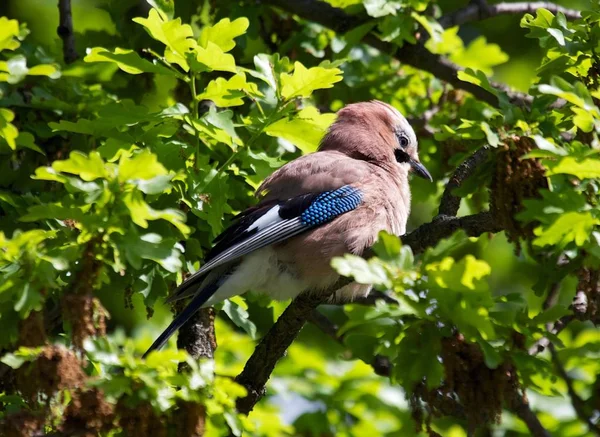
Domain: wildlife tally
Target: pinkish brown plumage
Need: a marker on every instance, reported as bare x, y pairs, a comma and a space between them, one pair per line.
362, 168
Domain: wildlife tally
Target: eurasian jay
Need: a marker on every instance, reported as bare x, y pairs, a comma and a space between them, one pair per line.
314, 208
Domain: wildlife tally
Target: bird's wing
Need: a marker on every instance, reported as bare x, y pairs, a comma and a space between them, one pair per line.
269, 224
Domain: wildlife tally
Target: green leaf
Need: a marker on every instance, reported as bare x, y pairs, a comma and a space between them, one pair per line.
465, 275
551, 314
141, 212
547, 146
87, 167
223, 33
165, 252
479, 55
52, 211
128, 61
235, 309
381, 8
143, 165
477, 78
583, 119
212, 58
389, 249
271, 67
27, 140
587, 168
226, 93
28, 299
15, 70
20, 356
568, 227
302, 82
222, 120
417, 354
398, 29
177, 37
491, 356
576, 94
363, 271
8, 131
491, 136
12, 360
9, 32
304, 129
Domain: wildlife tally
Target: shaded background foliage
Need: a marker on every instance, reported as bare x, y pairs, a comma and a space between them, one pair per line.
128, 143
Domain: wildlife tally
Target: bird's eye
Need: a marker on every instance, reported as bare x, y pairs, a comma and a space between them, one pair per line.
402, 140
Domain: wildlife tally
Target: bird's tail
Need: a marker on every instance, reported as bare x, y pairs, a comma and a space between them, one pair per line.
196, 303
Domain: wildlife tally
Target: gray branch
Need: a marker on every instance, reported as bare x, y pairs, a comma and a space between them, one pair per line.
65, 31
272, 347
476, 11
450, 203
443, 226
578, 404
521, 408
197, 335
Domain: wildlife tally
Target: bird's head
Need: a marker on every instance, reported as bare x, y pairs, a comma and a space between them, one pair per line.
376, 132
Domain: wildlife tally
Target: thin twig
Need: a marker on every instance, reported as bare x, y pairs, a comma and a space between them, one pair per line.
373, 297
579, 307
475, 11
521, 408
65, 31
322, 322
540, 345
450, 203
552, 296
578, 403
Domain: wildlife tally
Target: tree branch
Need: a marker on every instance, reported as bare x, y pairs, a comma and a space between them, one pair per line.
443, 226
197, 335
65, 31
415, 55
272, 347
450, 203
578, 403
579, 307
476, 11
521, 408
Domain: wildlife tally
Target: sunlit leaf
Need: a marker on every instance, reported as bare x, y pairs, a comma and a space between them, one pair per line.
569, 227
127, 60
223, 33
304, 129
302, 82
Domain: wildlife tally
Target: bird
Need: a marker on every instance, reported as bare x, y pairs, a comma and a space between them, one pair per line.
319, 206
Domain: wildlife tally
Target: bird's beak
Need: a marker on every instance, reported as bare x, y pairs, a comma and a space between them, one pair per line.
420, 169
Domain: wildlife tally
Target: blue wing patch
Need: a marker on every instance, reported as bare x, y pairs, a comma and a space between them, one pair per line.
331, 204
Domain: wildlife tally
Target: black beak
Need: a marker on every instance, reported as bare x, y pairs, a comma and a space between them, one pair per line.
420, 169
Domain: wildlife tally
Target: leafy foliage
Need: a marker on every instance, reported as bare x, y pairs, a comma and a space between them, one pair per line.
118, 170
